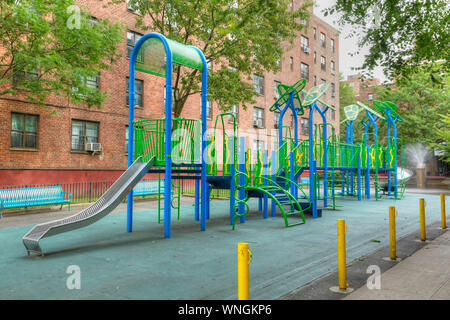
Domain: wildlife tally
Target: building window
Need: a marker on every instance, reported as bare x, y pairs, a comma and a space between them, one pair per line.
332, 45
279, 64
83, 132
333, 114
323, 63
304, 44
291, 63
370, 97
322, 39
126, 138
322, 81
315, 80
235, 111
304, 71
333, 67
276, 94
258, 117
138, 91
333, 90
304, 126
23, 75
276, 119
92, 82
133, 8
258, 145
24, 130
258, 83
209, 110
315, 33
132, 38
315, 57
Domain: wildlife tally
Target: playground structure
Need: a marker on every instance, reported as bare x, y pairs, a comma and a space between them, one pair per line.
179, 148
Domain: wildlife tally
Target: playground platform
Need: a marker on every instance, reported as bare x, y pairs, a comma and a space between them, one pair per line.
194, 264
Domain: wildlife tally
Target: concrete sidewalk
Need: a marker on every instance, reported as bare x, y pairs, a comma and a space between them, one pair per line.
422, 276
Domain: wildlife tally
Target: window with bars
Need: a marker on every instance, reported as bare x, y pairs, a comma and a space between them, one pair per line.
304, 71
138, 93
258, 83
24, 129
83, 132
258, 117
132, 38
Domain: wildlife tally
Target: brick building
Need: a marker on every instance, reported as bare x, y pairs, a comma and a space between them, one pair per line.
364, 88
38, 146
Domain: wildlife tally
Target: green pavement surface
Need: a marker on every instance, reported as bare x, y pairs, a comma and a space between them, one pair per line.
193, 264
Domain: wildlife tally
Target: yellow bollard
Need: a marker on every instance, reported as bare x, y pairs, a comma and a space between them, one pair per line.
243, 271
443, 218
392, 236
342, 264
423, 235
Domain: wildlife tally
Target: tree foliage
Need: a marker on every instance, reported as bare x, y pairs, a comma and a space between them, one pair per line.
51, 47
443, 134
421, 103
400, 34
239, 37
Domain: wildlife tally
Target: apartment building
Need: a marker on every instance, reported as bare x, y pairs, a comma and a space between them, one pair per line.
364, 88
47, 145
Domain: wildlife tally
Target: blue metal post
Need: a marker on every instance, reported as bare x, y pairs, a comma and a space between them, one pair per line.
266, 183
232, 175
274, 175
197, 200
242, 179
359, 175
203, 183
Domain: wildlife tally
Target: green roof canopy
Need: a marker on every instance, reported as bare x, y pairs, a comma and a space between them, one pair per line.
151, 57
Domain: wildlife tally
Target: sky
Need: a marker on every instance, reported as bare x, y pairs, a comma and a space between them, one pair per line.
346, 45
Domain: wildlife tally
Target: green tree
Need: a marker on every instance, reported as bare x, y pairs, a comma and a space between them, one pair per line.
421, 103
239, 37
400, 34
443, 134
51, 47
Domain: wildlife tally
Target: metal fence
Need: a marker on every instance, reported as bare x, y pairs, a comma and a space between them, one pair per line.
90, 191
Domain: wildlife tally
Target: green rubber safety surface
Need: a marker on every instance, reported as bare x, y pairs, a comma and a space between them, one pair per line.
193, 264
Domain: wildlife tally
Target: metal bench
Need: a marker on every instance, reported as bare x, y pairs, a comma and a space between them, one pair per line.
145, 188
32, 197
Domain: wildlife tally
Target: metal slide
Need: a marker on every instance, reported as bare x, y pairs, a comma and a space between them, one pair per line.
107, 203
